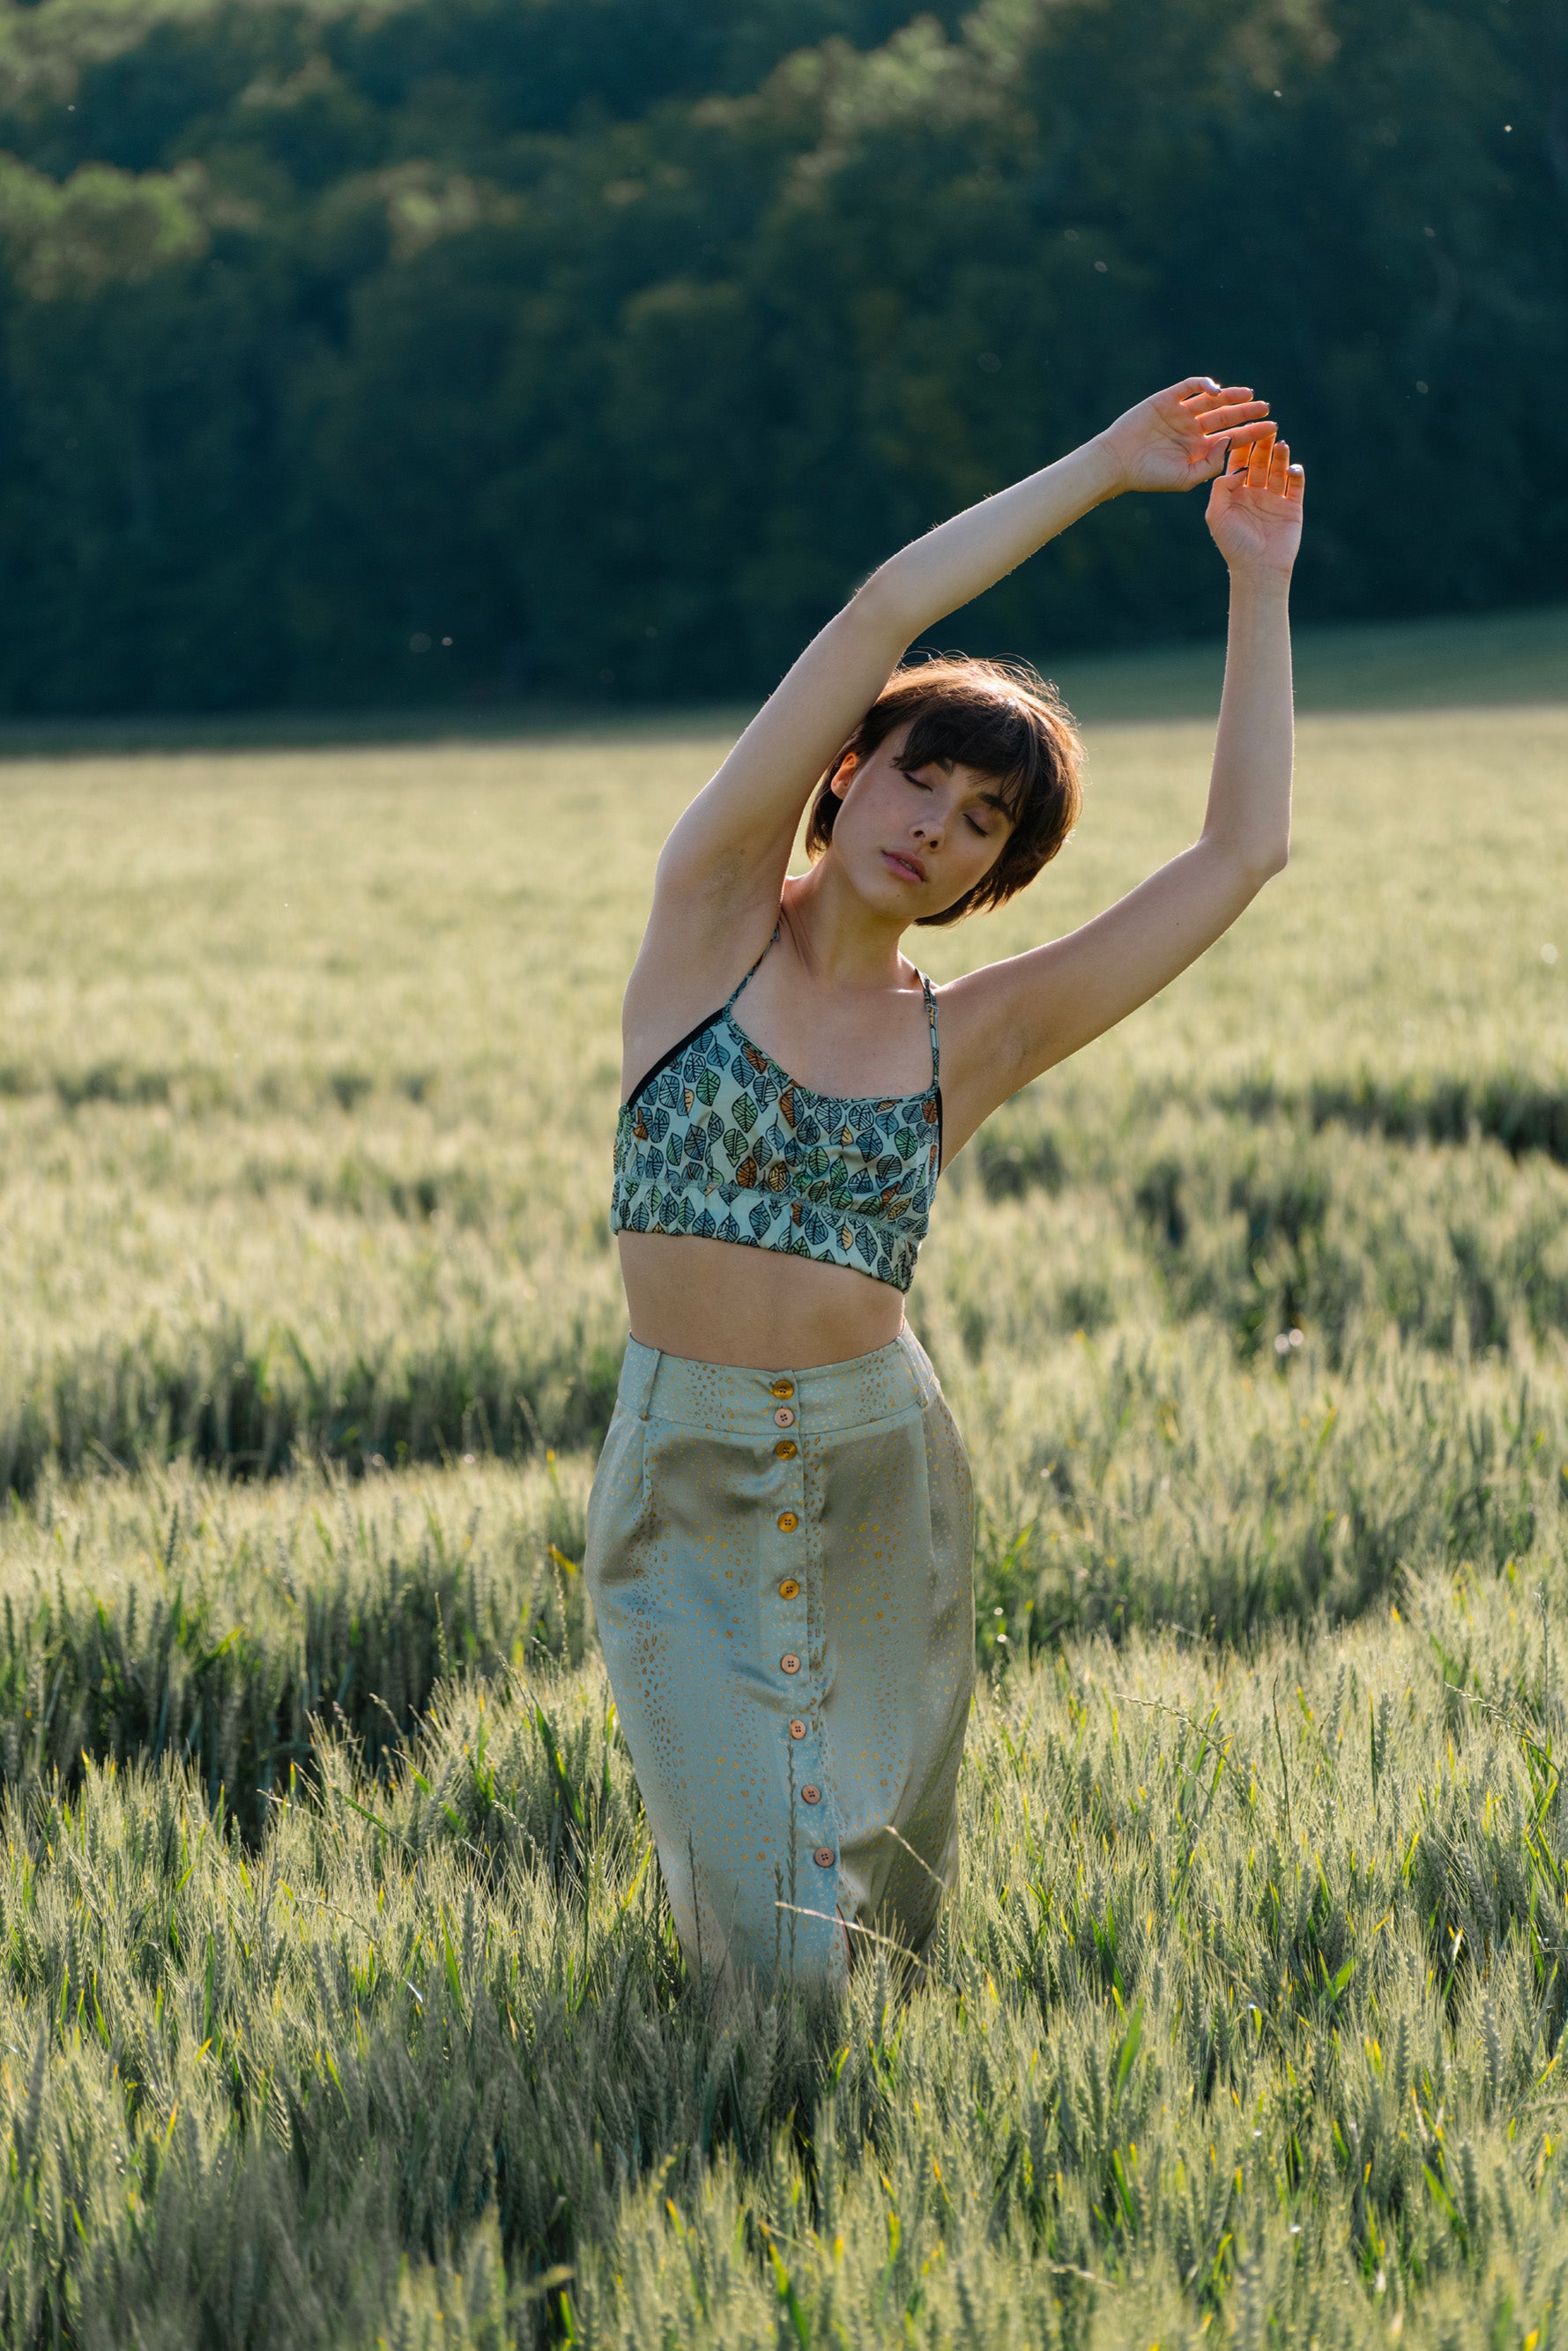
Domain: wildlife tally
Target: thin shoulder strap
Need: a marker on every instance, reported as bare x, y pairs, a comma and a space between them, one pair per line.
740, 983
931, 1010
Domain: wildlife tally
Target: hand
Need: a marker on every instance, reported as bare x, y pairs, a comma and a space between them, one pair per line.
1255, 508
1179, 437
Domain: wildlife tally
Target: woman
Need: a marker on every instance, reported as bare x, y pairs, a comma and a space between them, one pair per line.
780, 1527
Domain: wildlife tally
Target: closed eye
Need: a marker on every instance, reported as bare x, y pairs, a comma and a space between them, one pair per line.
921, 786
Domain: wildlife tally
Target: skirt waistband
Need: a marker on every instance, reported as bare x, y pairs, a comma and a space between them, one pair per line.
815, 1398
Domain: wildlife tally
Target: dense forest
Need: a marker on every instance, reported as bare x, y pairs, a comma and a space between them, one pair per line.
369, 349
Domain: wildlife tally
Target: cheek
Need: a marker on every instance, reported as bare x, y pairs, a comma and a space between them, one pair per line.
868, 809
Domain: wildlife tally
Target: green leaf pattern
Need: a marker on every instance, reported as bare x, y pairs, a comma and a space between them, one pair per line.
842, 1180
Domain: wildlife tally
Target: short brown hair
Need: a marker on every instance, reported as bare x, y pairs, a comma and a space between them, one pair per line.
1001, 718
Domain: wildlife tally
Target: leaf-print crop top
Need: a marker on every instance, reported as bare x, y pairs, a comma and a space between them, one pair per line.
719, 1141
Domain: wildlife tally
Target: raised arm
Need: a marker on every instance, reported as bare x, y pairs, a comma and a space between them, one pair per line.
1011, 1021
731, 847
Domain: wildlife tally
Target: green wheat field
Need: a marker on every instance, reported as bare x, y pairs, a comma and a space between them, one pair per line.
339, 2000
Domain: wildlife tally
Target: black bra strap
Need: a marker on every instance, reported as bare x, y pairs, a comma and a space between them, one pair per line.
931, 1010
740, 983
662, 1063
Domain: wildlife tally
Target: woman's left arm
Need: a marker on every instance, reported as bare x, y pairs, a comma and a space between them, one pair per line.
1006, 1023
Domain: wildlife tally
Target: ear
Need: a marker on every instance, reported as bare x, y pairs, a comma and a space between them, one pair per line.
842, 775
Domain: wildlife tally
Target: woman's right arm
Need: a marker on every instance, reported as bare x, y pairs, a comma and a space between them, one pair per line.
727, 857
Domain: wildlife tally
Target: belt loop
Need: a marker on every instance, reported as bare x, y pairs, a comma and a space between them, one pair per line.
644, 1391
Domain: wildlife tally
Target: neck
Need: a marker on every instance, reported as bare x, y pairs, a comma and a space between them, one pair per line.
838, 937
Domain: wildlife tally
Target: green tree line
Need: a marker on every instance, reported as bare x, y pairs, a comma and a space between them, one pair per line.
454, 348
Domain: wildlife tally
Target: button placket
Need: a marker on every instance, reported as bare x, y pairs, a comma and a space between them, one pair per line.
788, 1588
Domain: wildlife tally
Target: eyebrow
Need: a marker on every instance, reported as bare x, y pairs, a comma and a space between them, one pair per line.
940, 759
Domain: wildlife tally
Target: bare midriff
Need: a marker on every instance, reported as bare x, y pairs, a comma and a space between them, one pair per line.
720, 1303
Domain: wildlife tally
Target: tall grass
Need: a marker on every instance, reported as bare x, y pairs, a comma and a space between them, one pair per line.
180, 1617
1249, 2004
340, 2003
1138, 1477
310, 1064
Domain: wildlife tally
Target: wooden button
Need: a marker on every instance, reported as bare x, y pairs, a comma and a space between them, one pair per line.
810, 1796
785, 1449
782, 1388
790, 1662
785, 1416
787, 1523
788, 1588
824, 1856
796, 1730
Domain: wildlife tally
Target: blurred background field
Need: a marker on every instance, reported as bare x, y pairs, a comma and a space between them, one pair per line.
310, 1061
341, 2003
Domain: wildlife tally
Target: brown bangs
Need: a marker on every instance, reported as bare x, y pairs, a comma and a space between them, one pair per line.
1003, 720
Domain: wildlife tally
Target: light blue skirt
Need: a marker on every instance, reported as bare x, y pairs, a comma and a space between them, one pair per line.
781, 1565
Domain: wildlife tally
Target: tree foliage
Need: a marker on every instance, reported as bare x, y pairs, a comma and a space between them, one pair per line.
613, 339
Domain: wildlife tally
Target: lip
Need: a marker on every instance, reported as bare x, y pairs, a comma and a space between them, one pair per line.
908, 869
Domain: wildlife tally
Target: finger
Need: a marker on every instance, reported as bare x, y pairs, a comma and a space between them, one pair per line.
1241, 451
1278, 469
1228, 438
1241, 437
1258, 460
1296, 485
1237, 396
1233, 418
1192, 384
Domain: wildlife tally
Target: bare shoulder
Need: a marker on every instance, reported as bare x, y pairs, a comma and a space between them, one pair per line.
1010, 1021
